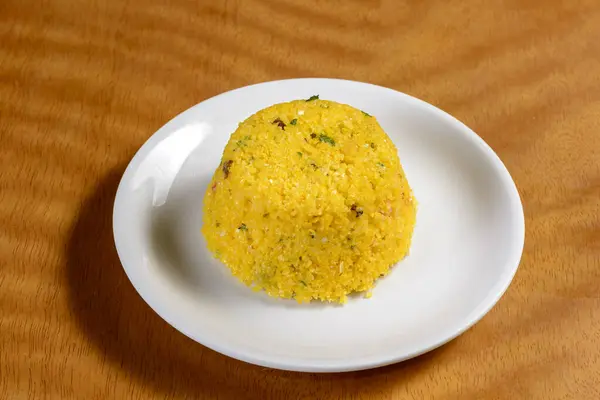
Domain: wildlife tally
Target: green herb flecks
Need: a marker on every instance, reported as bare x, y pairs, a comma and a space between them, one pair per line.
314, 97
380, 164
243, 227
299, 154
304, 283
326, 139
242, 142
366, 114
293, 122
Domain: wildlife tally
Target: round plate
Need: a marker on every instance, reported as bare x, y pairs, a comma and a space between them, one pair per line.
466, 247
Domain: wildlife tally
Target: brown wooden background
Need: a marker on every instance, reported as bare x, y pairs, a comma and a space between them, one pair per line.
83, 83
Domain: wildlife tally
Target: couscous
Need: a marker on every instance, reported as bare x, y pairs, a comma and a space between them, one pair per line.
309, 202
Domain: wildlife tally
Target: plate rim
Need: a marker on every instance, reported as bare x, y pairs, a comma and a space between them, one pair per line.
353, 364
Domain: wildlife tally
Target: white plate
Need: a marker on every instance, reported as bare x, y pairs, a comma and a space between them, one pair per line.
466, 247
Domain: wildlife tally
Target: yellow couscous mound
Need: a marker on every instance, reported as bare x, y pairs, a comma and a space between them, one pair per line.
309, 202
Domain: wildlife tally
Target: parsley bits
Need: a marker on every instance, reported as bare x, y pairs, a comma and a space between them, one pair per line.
366, 114
326, 139
243, 227
314, 97
293, 122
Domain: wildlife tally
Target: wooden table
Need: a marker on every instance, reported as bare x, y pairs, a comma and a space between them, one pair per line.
83, 83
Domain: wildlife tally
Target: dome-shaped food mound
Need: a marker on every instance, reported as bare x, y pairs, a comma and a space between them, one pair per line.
309, 202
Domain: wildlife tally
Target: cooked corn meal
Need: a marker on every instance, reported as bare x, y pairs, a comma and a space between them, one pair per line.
309, 202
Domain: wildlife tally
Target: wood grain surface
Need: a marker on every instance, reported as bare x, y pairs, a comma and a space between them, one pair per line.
83, 83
